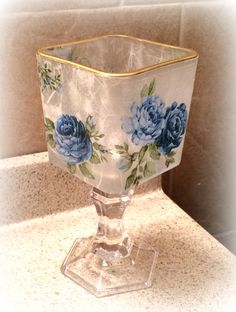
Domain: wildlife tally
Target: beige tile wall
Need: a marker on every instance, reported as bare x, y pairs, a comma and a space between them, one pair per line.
21, 124
203, 184
56, 5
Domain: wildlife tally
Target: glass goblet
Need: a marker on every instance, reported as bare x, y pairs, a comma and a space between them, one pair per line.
115, 110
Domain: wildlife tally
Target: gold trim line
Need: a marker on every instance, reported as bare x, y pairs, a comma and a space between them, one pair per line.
193, 55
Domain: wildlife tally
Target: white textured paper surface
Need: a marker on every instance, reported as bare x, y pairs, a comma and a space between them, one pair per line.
109, 99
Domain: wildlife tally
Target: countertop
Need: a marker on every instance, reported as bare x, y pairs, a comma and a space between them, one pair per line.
194, 271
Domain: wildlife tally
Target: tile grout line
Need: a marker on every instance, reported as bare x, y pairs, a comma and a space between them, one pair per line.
170, 175
181, 25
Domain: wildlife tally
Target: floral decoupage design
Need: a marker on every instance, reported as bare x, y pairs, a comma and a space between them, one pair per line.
49, 79
152, 126
76, 142
158, 130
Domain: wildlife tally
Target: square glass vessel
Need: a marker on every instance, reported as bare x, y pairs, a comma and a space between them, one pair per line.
118, 88
115, 112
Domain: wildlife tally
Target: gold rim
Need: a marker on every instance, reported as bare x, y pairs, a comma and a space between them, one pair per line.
193, 55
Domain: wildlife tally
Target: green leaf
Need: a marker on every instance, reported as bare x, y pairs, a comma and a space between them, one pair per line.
50, 140
151, 88
134, 171
137, 179
119, 147
71, 168
134, 156
140, 168
142, 152
153, 151
130, 179
103, 158
169, 161
149, 169
88, 129
103, 149
95, 158
148, 90
144, 91
49, 125
85, 171
126, 147
171, 154
98, 147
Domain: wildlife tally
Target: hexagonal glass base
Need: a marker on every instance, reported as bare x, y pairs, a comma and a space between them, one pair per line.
89, 265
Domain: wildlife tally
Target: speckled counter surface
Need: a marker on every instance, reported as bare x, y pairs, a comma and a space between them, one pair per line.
194, 272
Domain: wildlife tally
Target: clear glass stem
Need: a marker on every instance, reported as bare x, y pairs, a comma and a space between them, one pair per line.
111, 238
110, 262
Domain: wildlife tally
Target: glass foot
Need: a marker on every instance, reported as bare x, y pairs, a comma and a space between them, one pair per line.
107, 271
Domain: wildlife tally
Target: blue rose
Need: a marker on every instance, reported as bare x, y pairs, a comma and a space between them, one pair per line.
72, 140
172, 134
147, 121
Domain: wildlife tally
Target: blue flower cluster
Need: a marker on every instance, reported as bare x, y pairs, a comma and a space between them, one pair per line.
152, 122
72, 140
